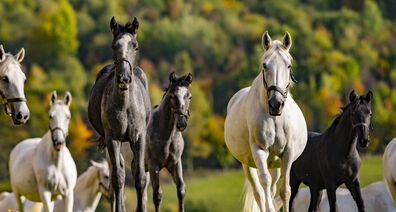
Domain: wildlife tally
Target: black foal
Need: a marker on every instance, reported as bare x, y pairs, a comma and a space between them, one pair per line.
331, 159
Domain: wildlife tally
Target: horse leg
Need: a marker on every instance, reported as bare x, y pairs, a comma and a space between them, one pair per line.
354, 188
68, 201
252, 177
260, 157
157, 192
45, 197
146, 187
316, 197
177, 175
275, 175
285, 191
294, 185
138, 171
331, 194
19, 201
117, 174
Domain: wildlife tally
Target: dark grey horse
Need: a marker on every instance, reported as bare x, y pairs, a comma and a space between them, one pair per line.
119, 110
165, 142
331, 159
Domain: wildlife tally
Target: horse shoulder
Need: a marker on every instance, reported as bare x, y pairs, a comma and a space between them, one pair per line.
236, 97
70, 169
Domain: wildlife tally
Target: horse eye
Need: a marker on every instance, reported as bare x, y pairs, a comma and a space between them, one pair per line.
289, 66
264, 66
106, 177
190, 97
50, 116
5, 79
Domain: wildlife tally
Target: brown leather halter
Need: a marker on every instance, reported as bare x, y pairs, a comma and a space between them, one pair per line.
277, 88
6, 102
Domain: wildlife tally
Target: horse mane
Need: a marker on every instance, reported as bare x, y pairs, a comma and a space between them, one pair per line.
343, 111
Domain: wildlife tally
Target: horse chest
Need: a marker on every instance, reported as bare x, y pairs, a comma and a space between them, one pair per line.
270, 135
56, 181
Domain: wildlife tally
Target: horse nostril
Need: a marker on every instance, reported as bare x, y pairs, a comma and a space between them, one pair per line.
26, 117
19, 116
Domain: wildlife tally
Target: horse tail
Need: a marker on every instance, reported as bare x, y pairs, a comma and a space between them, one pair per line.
250, 204
101, 143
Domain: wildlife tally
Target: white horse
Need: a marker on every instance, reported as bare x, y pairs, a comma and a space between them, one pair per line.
43, 168
89, 188
375, 197
388, 164
265, 128
11, 86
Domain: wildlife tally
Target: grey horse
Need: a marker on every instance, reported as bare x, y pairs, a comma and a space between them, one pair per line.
119, 110
165, 142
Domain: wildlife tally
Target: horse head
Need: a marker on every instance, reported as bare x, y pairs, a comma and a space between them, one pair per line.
361, 116
180, 97
59, 116
12, 81
277, 75
125, 49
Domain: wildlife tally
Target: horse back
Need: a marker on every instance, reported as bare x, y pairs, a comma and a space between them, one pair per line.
105, 76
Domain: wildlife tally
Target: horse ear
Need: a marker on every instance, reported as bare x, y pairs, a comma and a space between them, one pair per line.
266, 41
21, 54
68, 98
369, 96
96, 164
352, 96
189, 78
132, 27
172, 77
287, 41
2, 53
114, 26
53, 97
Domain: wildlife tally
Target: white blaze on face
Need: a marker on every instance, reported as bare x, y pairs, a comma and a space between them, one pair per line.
124, 42
181, 93
60, 117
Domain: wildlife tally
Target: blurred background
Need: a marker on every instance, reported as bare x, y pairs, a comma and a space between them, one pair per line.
338, 45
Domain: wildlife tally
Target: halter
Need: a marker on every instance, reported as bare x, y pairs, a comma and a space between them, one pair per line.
277, 88
360, 124
57, 128
123, 59
180, 112
10, 100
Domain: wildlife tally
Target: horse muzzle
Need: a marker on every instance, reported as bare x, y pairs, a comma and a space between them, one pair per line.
181, 123
123, 86
275, 104
19, 112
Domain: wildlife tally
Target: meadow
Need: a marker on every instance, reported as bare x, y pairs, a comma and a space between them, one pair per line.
218, 191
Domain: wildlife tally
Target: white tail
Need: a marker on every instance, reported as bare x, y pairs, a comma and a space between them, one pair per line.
250, 204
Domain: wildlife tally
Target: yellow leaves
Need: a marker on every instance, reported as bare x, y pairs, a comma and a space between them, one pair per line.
358, 86
333, 106
79, 134
207, 7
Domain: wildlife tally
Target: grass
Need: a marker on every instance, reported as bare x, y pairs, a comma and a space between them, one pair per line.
222, 190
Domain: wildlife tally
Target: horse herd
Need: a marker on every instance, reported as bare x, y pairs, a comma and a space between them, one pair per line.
264, 129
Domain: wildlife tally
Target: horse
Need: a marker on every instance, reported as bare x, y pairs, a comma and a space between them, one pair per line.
165, 142
11, 86
43, 168
119, 110
375, 196
89, 188
331, 158
264, 127
388, 161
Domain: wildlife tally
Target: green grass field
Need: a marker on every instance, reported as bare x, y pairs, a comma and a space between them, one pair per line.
222, 190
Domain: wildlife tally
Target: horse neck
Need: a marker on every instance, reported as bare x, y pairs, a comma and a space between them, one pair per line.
345, 137
260, 91
86, 191
54, 155
166, 120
